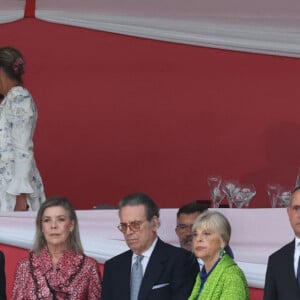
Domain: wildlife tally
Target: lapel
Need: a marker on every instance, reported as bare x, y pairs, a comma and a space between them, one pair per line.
123, 269
155, 267
285, 273
288, 265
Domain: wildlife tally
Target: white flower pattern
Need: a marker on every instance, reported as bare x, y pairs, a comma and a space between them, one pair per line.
18, 171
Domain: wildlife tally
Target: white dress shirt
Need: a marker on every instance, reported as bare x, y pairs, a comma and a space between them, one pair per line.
296, 254
146, 256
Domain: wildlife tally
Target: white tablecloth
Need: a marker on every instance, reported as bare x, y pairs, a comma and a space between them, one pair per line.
256, 233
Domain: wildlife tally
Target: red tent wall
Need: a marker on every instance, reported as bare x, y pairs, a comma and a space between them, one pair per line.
120, 114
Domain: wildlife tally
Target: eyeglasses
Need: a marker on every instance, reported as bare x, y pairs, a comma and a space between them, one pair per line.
133, 226
184, 227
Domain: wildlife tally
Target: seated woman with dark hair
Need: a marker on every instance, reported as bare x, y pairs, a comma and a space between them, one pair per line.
220, 278
57, 267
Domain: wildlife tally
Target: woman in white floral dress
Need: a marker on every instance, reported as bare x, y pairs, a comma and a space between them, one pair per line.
21, 186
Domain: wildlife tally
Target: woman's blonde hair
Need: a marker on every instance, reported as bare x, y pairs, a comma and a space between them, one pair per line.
214, 220
74, 242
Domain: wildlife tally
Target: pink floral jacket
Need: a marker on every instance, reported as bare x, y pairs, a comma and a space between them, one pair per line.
75, 277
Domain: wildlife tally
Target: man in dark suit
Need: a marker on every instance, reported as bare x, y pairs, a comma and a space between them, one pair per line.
168, 272
2, 277
281, 278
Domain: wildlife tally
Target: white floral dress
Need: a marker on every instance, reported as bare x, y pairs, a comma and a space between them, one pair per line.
18, 171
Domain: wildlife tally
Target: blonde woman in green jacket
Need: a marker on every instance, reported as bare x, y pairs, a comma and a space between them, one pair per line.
220, 278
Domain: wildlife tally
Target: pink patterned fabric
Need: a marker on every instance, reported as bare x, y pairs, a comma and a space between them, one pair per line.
75, 277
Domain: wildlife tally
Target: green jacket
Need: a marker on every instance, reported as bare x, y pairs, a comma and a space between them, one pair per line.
226, 282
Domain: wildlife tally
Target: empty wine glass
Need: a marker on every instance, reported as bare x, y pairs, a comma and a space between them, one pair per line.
216, 195
273, 190
230, 188
298, 178
285, 196
247, 192
218, 198
237, 198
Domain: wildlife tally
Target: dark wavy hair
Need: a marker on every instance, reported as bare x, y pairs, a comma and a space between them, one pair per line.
141, 199
191, 208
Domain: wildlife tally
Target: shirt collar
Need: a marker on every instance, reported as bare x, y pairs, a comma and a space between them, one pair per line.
148, 252
297, 243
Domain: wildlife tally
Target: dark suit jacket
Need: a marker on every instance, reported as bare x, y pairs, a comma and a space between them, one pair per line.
281, 282
2, 277
170, 275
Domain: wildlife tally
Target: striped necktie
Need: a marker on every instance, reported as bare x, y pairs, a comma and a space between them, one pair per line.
136, 277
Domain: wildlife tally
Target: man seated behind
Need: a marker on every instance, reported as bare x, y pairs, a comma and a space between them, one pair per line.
186, 216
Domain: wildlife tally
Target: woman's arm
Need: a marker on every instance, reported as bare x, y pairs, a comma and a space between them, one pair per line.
235, 286
94, 286
22, 117
20, 282
21, 203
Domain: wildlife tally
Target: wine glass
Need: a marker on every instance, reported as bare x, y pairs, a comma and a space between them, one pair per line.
298, 178
218, 198
237, 198
216, 195
285, 196
247, 192
230, 187
273, 190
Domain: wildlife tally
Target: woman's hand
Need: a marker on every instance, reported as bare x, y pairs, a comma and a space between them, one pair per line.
21, 203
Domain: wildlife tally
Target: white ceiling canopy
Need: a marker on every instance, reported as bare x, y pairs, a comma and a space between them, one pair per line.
259, 26
11, 10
